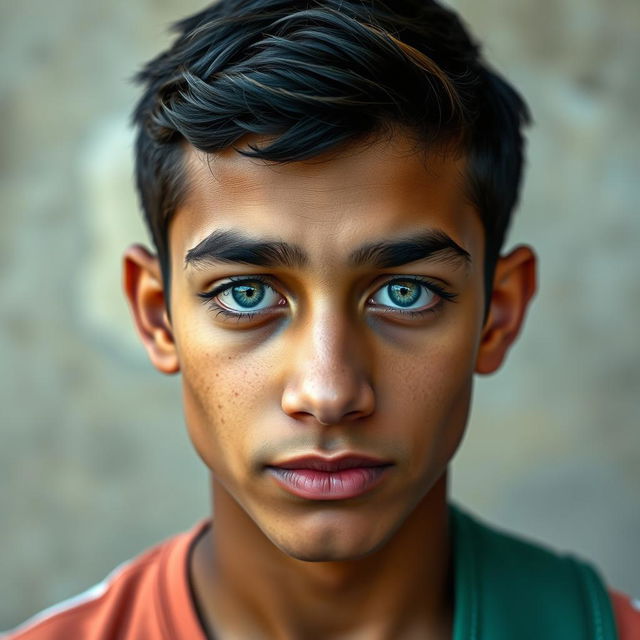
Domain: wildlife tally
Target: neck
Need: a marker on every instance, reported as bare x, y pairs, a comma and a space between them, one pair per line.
246, 587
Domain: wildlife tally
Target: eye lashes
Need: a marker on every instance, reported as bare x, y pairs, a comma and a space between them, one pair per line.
209, 296
429, 284
233, 282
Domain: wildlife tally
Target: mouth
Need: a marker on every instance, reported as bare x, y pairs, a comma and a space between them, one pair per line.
338, 478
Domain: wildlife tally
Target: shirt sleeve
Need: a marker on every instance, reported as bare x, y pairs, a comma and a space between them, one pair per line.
627, 613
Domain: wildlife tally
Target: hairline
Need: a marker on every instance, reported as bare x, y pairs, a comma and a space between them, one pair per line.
185, 182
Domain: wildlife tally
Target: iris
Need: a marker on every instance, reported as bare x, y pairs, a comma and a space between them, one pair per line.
404, 293
248, 295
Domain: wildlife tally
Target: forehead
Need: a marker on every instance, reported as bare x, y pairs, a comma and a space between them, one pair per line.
327, 205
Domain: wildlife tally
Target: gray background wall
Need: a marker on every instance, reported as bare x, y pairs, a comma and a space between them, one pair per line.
94, 461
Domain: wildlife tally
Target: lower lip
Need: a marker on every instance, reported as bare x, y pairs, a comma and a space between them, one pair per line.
328, 485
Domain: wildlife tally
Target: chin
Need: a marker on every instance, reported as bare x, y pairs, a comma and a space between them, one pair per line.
325, 554
328, 544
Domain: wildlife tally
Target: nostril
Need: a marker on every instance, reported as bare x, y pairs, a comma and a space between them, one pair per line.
354, 415
353, 403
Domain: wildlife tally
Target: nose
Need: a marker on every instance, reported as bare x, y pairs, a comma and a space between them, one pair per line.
327, 374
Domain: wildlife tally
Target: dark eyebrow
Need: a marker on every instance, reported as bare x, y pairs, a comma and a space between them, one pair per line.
231, 246
235, 247
432, 245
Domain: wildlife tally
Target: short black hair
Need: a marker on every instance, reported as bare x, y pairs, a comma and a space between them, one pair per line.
313, 74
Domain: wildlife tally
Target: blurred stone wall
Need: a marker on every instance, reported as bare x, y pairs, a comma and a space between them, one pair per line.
95, 461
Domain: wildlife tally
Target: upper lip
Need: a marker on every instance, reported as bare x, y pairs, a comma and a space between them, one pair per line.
338, 463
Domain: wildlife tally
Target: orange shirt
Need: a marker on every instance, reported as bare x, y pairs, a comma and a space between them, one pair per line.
150, 598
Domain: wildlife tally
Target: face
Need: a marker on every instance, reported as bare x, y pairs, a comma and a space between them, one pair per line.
326, 317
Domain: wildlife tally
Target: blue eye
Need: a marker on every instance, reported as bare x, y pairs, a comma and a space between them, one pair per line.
243, 297
406, 294
247, 296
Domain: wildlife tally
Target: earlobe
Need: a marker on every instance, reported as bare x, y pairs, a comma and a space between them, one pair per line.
143, 287
514, 285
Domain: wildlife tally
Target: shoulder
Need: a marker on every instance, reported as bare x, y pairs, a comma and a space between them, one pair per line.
627, 614
127, 604
539, 584
85, 615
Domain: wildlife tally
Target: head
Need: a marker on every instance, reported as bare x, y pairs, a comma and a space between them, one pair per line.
328, 186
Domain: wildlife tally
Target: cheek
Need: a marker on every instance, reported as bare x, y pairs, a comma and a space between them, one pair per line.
222, 396
429, 396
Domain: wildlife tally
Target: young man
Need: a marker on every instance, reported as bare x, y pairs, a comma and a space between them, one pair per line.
328, 185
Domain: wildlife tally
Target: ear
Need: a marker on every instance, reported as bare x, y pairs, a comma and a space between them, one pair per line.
142, 281
514, 285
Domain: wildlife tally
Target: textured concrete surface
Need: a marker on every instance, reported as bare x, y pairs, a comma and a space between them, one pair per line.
95, 461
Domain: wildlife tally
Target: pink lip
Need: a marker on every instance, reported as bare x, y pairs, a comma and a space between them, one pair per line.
317, 478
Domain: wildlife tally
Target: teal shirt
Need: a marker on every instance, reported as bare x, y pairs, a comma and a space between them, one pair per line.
509, 589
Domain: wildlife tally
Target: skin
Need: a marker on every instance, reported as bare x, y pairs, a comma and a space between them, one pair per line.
330, 367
